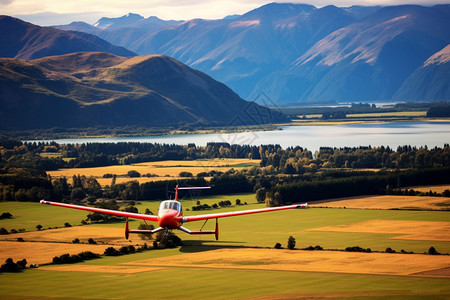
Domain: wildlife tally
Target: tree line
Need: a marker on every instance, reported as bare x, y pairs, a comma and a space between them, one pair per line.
282, 176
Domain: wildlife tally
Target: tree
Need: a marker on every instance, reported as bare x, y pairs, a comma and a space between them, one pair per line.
6, 215
291, 243
9, 266
77, 193
261, 195
185, 174
133, 174
39, 227
432, 251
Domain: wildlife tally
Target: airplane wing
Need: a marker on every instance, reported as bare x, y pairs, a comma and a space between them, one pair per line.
105, 211
240, 213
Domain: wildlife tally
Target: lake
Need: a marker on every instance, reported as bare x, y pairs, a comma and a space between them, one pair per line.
393, 134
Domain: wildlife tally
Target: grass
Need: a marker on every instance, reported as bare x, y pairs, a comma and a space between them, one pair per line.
260, 230
387, 202
200, 283
28, 215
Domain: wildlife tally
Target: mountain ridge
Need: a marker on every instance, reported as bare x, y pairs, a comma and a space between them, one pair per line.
262, 50
24, 40
96, 88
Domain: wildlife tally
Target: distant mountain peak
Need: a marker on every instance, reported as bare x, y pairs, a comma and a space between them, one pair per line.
28, 41
128, 19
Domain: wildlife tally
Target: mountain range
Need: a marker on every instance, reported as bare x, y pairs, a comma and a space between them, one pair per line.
296, 53
97, 88
24, 40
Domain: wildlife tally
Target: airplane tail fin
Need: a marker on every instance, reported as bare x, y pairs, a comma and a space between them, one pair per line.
189, 188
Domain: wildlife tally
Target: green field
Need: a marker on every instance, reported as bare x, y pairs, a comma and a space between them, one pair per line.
260, 230
28, 215
193, 283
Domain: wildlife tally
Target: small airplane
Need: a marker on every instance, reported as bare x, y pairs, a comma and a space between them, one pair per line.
170, 215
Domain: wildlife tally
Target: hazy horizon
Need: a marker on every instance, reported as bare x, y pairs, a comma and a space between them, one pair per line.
53, 12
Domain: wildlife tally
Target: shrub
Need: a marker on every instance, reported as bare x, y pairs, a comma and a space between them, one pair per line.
357, 249
91, 241
6, 215
185, 174
70, 259
277, 246
291, 243
432, 251
389, 250
76, 241
111, 251
3, 231
133, 174
10, 266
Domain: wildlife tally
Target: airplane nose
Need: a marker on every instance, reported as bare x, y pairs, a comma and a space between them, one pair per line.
169, 220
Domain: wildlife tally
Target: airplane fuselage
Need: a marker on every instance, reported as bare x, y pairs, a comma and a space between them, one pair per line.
170, 214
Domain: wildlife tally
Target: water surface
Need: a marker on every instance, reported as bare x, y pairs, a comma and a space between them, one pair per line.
394, 134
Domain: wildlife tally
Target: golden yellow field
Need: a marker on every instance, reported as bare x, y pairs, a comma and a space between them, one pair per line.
316, 261
434, 188
43, 252
387, 202
162, 170
411, 230
41, 246
104, 235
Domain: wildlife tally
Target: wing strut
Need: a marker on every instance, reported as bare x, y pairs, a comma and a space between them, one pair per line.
215, 232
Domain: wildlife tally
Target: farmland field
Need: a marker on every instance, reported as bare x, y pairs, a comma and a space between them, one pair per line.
433, 188
388, 202
160, 170
200, 268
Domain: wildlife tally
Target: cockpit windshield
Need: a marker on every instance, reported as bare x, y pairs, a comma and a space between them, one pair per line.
170, 204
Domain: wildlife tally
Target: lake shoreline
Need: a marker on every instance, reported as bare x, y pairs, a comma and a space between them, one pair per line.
430, 133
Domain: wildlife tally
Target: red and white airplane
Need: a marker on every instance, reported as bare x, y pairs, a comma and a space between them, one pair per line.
170, 215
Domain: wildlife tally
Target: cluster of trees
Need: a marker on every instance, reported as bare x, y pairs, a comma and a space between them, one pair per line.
224, 203
439, 110
299, 161
104, 154
74, 258
11, 266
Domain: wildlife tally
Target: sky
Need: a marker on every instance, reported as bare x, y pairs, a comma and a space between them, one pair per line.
60, 12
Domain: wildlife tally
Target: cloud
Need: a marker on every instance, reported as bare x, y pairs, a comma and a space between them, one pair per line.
6, 2
50, 12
